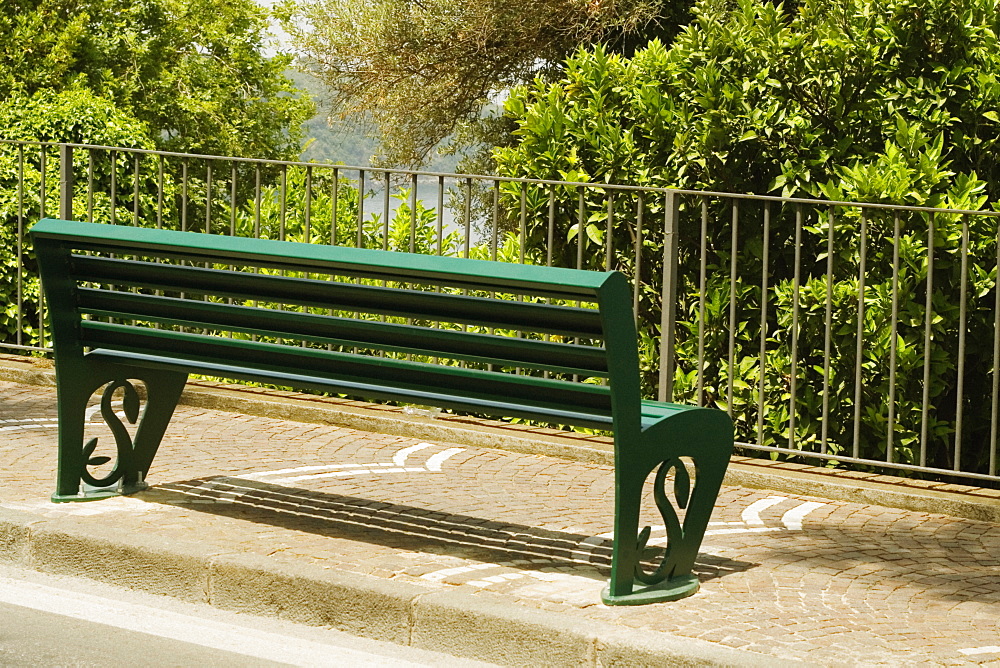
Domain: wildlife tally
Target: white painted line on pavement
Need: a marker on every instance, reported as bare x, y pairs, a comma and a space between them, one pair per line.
185, 628
437, 576
22, 427
751, 516
372, 468
297, 469
720, 532
989, 649
399, 459
397, 465
434, 462
793, 518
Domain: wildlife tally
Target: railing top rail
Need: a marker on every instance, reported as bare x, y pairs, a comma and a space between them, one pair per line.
805, 201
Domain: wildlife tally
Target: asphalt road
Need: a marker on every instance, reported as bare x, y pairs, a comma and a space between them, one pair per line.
48, 622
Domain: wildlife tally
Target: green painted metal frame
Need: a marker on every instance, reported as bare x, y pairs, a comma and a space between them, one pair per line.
650, 437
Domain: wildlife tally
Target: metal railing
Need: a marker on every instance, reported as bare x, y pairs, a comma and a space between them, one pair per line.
865, 334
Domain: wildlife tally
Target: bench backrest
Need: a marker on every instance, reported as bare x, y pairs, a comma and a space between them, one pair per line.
543, 343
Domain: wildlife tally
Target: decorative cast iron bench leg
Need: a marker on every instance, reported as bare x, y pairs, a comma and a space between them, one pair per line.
710, 451
75, 383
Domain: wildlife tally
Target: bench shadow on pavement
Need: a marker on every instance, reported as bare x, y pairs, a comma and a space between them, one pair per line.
408, 528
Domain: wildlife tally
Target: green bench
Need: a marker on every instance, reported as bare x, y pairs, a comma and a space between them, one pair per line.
540, 343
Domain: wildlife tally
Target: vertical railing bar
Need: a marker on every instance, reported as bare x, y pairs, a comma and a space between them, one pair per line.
135, 190
413, 212
308, 213
467, 250
468, 217
859, 348
550, 242
440, 215
995, 397
20, 245
524, 221
796, 288
159, 206
385, 233
609, 237
361, 208
928, 321
731, 382
208, 217
41, 182
893, 333
668, 304
208, 200
827, 333
962, 315
764, 276
522, 238
637, 279
90, 185
66, 185
581, 233
41, 207
385, 211
282, 213
114, 186
551, 236
307, 232
702, 297
440, 236
495, 232
184, 195
234, 176
335, 207
282, 203
413, 231
159, 192
257, 194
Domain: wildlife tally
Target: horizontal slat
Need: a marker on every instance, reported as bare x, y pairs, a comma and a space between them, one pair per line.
450, 344
370, 391
460, 309
382, 376
461, 273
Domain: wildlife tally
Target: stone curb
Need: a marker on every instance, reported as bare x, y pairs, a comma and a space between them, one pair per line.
868, 488
484, 627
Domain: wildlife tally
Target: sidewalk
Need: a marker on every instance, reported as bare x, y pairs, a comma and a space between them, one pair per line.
495, 554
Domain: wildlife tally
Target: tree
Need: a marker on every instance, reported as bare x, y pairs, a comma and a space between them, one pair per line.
758, 97
417, 70
890, 101
193, 71
74, 115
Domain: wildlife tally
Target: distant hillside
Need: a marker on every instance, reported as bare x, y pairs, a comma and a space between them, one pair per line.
344, 142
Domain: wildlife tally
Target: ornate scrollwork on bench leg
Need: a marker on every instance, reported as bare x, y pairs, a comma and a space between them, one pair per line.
672, 523
125, 461
133, 456
671, 579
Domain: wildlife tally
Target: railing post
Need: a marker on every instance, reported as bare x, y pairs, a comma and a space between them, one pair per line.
65, 182
668, 305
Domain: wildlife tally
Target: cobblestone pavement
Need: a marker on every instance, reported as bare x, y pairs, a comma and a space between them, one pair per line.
829, 582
